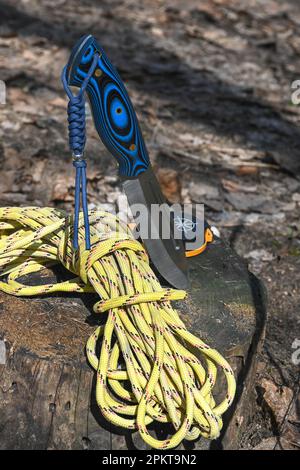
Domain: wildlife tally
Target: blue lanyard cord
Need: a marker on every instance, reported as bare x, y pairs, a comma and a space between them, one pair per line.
77, 139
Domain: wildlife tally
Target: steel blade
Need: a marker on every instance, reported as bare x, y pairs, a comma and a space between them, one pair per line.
167, 254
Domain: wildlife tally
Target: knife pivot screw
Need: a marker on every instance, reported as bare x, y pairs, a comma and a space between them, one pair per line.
132, 147
98, 72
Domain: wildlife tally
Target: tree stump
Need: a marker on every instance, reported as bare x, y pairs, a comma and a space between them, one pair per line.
47, 388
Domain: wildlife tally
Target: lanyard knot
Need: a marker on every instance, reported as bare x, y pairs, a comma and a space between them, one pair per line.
77, 140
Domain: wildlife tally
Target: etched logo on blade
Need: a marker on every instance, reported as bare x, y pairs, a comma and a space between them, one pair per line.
184, 225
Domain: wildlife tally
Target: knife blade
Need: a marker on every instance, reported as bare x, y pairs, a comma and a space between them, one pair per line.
117, 125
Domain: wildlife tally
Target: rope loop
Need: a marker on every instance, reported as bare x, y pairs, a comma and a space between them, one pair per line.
149, 367
127, 300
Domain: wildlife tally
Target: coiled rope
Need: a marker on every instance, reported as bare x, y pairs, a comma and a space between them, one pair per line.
150, 368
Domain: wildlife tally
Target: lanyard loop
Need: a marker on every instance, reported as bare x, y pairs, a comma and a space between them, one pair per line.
77, 140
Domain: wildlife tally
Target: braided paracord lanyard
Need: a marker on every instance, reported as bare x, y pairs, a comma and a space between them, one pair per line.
77, 140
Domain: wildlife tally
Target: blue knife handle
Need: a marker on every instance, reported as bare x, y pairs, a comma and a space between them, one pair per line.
112, 110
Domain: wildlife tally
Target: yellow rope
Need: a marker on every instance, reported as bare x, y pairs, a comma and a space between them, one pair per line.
150, 367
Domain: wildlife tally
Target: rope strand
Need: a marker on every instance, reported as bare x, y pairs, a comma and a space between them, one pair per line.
155, 370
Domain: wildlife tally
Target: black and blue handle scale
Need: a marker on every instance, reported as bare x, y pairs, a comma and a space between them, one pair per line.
113, 113
118, 127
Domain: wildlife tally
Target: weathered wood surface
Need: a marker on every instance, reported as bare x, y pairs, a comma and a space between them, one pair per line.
46, 387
